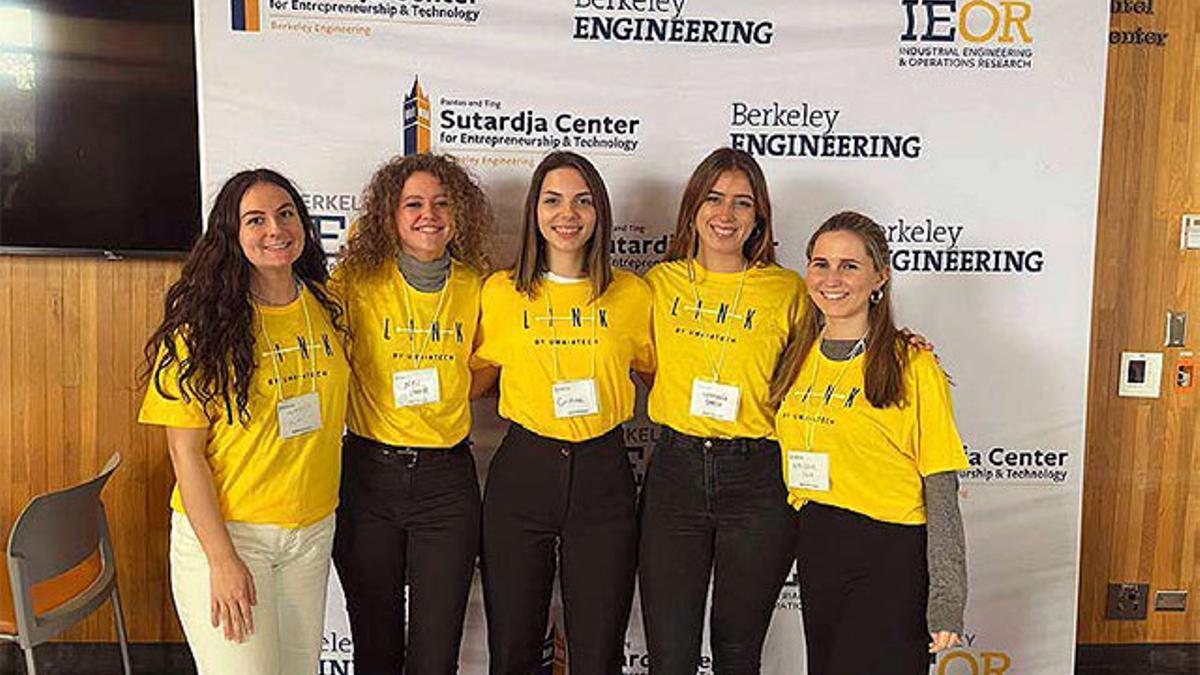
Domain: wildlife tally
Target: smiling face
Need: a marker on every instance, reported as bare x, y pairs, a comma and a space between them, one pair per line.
841, 276
725, 218
269, 228
423, 219
566, 214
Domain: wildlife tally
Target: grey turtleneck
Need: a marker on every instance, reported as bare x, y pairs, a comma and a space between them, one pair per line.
945, 542
427, 277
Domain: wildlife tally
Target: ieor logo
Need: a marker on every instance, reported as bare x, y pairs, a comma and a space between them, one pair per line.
977, 21
962, 662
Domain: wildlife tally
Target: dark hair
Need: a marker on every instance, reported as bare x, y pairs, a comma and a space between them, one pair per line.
759, 247
531, 257
374, 239
887, 351
208, 309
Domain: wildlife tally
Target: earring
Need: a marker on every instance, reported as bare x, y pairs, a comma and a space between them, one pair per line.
876, 296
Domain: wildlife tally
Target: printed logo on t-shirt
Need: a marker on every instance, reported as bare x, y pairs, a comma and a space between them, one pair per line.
716, 321
305, 351
572, 328
428, 342
813, 401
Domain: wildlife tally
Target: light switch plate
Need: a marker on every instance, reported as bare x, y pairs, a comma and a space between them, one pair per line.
1176, 328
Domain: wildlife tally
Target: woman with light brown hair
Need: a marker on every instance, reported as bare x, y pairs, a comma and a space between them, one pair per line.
714, 503
566, 331
870, 455
409, 514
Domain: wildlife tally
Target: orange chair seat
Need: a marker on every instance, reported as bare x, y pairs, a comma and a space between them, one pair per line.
49, 594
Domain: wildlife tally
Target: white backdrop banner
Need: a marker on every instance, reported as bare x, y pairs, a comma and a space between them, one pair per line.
969, 128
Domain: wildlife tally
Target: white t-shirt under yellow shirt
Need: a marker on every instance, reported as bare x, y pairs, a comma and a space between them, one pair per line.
562, 335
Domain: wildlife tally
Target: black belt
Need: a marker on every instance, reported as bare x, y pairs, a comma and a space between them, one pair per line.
408, 453
673, 438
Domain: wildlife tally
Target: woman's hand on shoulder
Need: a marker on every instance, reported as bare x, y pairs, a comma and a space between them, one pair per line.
943, 640
916, 340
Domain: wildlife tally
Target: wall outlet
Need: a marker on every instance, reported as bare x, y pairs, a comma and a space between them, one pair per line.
1170, 601
1127, 602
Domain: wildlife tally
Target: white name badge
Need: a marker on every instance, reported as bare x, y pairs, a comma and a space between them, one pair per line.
299, 415
575, 398
415, 387
808, 470
714, 400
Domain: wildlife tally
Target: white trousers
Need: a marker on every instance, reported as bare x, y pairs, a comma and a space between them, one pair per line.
290, 568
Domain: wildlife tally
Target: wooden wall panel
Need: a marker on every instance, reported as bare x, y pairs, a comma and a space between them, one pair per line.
71, 332
1141, 514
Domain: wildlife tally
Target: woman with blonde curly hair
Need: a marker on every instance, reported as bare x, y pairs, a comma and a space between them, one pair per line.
410, 509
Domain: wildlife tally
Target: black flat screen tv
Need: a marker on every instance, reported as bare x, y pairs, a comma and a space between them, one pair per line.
99, 142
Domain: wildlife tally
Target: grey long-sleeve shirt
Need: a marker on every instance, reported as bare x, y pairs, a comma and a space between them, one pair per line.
945, 539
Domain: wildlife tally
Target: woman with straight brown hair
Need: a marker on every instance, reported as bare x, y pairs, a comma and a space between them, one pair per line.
871, 455
714, 503
565, 330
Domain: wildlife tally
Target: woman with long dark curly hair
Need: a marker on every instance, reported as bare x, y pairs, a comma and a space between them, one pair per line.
409, 508
247, 373
566, 331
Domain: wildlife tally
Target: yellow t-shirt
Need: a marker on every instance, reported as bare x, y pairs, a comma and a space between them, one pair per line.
738, 328
877, 457
261, 477
396, 328
561, 335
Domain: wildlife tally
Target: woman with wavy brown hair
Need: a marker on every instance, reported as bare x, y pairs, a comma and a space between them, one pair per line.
248, 375
409, 512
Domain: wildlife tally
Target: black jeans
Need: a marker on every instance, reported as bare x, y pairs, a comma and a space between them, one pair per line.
410, 515
542, 493
862, 578
720, 507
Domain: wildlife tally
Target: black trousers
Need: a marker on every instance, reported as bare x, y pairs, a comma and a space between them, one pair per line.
544, 494
712, 507
862, 579
410, 515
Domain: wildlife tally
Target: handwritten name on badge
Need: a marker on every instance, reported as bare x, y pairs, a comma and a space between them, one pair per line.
575, 398
299, 415
715, 401
415, 387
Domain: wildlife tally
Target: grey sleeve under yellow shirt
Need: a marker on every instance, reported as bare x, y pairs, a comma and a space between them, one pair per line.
945, 541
